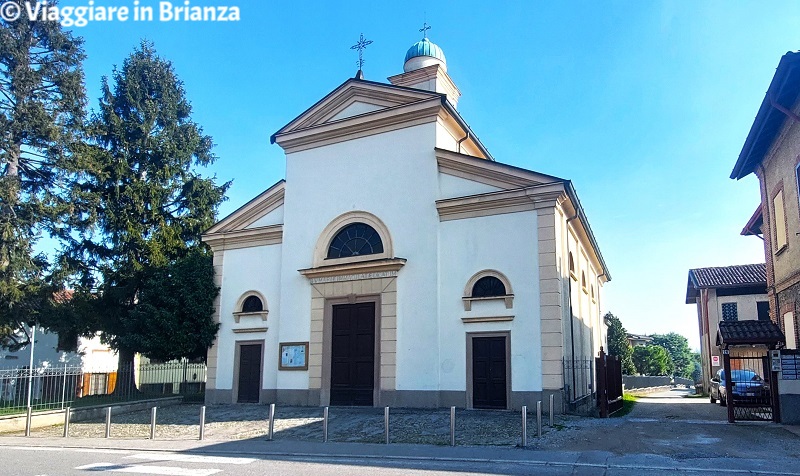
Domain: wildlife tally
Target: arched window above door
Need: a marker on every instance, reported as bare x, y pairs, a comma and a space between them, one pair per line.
251, 303
488, 285
355, 239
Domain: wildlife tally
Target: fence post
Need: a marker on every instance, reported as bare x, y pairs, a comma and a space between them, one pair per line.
153, 423
108, 422
271, 421
67, 412
64, 387
524, 426
552, 398
539, 418
28, 421
386, 424
202, 423
726, 365
325, 425
602, 385
452, 426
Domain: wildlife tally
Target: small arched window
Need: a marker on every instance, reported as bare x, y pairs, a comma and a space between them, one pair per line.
488, 286
356, 239
592, 292
583, 280
571, 264
252, 304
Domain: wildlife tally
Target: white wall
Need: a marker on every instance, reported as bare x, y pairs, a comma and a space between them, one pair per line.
453, 187
44, 353
244, 270
508, 244
275, 217
392, 175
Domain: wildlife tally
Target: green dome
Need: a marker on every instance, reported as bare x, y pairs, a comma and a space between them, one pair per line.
425, 47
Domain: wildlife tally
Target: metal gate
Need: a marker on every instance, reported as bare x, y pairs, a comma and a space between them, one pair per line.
751, 393
609, 383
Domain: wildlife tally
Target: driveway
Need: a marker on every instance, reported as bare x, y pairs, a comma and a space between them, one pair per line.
672, 424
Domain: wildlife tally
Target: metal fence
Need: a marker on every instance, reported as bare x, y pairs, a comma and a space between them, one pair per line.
578, 378
54, 387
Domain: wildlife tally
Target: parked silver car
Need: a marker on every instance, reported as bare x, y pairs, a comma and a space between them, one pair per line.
747, 386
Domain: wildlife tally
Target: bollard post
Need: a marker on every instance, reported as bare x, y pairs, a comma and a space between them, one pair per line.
28, 422
202, 423
325, 425
108, 422
552, 421
539, 418
386, 424
153, 423
452, 426
66, 421
524, 426
271, 421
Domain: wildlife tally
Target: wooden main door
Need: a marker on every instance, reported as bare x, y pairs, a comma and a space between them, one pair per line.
249, 373
489, 372
353, 354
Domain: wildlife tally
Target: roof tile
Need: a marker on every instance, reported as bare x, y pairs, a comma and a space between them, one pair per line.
729, 276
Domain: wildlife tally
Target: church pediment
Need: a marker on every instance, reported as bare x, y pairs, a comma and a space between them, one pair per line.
488, 172
252, 214
355, 106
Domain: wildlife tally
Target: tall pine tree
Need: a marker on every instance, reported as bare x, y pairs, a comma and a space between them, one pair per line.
42, 100
147, 207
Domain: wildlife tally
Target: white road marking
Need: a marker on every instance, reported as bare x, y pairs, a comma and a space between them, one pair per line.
101, 451
33, 448
187, 458
76, 450
160, 470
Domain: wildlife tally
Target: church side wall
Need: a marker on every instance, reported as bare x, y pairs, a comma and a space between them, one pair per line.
247, 269
392, 175
506, 243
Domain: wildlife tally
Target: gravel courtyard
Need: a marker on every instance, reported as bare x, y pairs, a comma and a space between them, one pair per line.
666, 424
362, 425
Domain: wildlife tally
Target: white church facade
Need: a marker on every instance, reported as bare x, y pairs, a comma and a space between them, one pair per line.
400, 264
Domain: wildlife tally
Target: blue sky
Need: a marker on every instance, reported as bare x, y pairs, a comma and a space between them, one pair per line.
644, 105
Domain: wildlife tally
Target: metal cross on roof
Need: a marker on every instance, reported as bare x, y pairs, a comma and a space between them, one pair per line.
424, 29
361, 46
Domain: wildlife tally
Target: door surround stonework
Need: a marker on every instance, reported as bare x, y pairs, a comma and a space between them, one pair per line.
363, 288
507, 336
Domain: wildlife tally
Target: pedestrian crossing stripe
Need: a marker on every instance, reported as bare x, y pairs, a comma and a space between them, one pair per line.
189, 458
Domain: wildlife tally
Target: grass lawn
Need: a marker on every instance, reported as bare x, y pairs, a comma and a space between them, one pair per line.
628, 402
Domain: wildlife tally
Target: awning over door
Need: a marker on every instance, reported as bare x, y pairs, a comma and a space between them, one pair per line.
749, 333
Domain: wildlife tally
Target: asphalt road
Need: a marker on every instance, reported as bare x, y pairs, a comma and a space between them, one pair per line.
665, 434
55, 461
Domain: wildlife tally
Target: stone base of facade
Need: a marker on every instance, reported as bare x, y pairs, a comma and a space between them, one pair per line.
396, 398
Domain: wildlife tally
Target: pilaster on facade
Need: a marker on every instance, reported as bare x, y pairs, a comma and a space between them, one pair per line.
550, 301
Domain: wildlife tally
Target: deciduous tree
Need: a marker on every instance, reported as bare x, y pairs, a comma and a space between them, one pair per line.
678, 348
618, 343
652, 360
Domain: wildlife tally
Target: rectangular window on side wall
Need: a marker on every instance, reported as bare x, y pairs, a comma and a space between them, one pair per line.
730, 311
797, 179
779, 212
763, 310
788, 330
